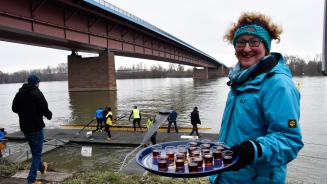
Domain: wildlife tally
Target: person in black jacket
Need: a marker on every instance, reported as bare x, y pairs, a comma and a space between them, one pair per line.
195, 120
30, 105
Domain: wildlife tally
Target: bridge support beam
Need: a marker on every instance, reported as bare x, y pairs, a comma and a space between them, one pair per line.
207, 73
92, 73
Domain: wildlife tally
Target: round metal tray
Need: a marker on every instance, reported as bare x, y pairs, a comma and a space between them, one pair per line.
144, 159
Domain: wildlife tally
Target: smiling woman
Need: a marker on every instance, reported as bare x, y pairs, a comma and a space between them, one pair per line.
262, 132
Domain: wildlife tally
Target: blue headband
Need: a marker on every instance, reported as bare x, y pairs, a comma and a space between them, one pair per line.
253, 29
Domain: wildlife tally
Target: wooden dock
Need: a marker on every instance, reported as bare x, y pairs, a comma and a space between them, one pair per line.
57, 137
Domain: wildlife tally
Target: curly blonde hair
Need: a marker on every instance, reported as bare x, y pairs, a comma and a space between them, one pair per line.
247, 18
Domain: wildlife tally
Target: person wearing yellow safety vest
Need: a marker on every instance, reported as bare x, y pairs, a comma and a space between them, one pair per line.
108, 118
136, 117
149, 124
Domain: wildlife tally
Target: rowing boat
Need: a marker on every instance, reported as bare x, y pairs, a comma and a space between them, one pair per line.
130, 128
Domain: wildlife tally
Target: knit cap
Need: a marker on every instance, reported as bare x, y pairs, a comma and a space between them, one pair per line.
33, 79
256, 30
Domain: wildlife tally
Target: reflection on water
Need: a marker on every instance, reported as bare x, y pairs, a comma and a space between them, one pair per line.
83, 104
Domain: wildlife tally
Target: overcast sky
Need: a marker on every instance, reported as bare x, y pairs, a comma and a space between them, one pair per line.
200, 23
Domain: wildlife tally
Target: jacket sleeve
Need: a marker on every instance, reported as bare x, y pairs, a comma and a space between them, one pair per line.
198, 118
281, 108
43, 106
15, 105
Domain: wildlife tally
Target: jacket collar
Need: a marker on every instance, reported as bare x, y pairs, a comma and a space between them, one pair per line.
268, 67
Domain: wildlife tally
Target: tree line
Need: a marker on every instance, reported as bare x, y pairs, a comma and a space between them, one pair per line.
155, 71
298, 66
59, 73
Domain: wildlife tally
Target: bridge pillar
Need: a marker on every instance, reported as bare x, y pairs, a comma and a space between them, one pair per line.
208, 73
200, 73
92, 73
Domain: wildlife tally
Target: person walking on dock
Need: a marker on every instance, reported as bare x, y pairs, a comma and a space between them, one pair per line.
136, 117
99, 115
195, 120
108, 124
172, 119
30, 105
149, 124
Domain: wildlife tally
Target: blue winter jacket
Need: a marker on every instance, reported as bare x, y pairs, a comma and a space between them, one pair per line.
172, 116
99, 113
265, 109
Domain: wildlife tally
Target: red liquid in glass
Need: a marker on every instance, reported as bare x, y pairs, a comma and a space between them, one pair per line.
163, 165
171, 156
180, 163
155, 153
208, 160
199, 161
227, 160
193, 167
217, 154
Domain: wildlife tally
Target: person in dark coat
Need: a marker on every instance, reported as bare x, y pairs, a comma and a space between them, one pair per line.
195, 120
30, 105
172, 119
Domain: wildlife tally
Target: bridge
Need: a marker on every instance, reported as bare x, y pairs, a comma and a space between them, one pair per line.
100, 27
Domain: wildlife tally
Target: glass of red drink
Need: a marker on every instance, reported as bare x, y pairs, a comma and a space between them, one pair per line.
199, 161
227, 157
162, 163
208, 160
192, 167
170, 152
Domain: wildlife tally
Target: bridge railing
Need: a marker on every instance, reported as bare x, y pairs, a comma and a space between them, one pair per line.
146, 24
135, 18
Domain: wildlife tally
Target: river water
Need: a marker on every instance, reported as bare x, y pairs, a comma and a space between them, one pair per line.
151, 95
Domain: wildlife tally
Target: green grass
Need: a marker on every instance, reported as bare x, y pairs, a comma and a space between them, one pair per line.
8, 168
119, 178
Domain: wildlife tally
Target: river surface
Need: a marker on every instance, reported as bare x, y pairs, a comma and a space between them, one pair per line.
151, 95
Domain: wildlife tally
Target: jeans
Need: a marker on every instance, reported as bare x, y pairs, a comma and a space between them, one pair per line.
35, 141
195, 129
99, 123
169, 125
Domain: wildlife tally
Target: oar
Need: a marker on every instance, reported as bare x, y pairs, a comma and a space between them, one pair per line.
85, 126
119, 117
